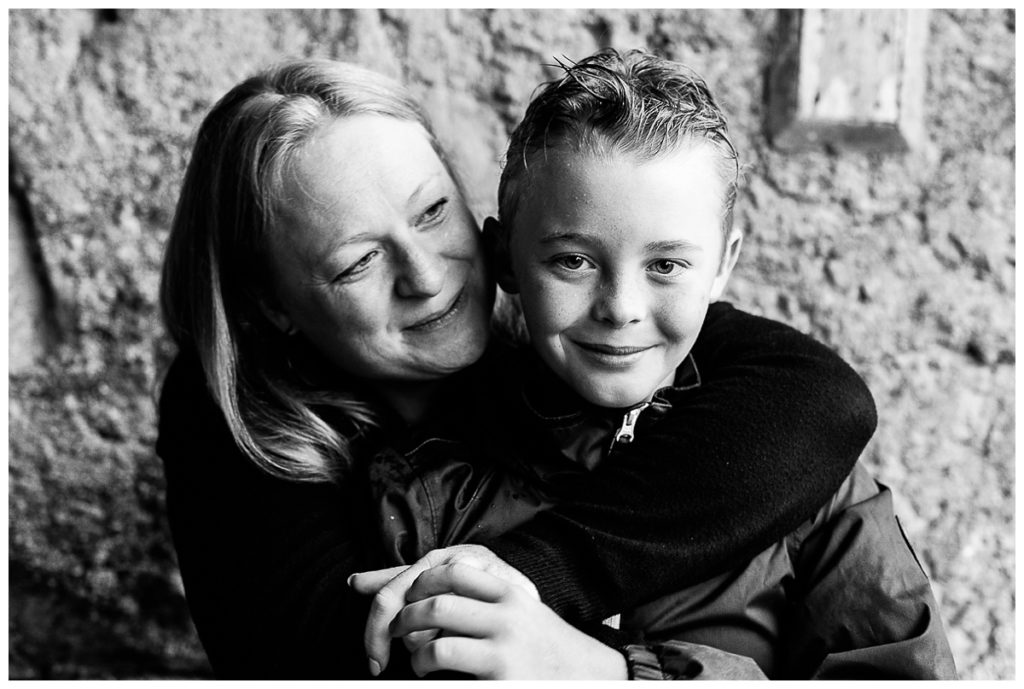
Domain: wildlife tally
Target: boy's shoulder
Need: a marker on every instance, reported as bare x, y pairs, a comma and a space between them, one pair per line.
859, 496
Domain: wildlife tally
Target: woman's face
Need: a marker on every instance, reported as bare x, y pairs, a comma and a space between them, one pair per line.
376, 258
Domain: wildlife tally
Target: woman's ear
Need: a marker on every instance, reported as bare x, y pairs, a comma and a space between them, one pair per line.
277, 317
733, 244
496, 248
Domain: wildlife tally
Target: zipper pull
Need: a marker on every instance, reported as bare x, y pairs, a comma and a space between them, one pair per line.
627, 431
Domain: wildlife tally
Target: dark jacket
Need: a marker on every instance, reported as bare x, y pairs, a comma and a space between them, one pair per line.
840, 597
843, 597
264, 560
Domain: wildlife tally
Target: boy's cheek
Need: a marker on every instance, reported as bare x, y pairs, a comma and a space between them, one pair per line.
683, 317
550, 297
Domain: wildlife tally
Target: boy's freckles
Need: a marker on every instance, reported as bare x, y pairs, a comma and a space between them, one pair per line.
616, 261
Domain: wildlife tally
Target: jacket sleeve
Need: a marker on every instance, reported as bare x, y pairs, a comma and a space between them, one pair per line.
756, 449
862, 605
263, 561
858, 606
681, 660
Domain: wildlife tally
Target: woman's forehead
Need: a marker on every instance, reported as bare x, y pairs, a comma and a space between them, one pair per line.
353, 154
358, 174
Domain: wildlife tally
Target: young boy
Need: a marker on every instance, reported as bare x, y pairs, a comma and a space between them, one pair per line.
616, 233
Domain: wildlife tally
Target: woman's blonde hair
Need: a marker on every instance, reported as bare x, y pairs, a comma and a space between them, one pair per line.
215, 265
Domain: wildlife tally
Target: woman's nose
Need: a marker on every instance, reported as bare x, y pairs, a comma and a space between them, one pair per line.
620, 302
421, 273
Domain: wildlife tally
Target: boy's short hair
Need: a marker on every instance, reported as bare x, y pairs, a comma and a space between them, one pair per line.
634, 103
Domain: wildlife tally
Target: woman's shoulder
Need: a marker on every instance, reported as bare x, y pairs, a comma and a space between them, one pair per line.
198, 450
184, 396
183, 381
192, 434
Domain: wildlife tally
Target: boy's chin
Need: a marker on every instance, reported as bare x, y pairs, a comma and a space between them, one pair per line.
615, 398
621, 391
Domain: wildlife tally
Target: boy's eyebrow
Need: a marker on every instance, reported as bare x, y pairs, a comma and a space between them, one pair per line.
582, 237
565, 237
673, 245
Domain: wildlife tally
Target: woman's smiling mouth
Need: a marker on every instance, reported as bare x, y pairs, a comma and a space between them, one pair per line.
440, 319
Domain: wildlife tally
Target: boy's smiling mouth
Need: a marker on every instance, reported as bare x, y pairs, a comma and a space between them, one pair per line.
610, 356
609, 350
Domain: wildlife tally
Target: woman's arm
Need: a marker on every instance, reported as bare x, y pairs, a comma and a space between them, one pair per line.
755, 450
495, 630
775, 426
263, 561
859, 607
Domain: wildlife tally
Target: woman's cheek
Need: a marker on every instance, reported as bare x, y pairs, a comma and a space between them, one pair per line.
355, 306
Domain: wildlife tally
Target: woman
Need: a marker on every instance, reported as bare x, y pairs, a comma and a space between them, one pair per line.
326, 288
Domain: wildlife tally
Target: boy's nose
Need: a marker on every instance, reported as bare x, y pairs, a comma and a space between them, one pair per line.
421, 272
620, 303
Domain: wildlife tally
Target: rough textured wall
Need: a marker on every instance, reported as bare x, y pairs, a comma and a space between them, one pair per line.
905, 264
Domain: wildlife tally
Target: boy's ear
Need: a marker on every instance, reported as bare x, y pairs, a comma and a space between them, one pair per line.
734, 242
496, 248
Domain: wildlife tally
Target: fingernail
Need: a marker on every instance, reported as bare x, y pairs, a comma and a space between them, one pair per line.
374, 667
350, 578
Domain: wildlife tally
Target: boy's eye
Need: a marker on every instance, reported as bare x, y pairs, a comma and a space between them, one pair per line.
357, 267
572, 262
434, 211
666, 267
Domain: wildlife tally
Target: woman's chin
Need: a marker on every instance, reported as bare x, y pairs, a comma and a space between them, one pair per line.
457, 354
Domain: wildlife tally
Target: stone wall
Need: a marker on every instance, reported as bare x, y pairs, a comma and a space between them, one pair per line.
904, 263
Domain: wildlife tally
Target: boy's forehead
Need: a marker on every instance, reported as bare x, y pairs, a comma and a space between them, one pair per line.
623, 205
565, 180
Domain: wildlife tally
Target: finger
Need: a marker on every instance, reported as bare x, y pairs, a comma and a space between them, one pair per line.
453, 615
457, 653
387, 603
416, 640
368, 583
458, 578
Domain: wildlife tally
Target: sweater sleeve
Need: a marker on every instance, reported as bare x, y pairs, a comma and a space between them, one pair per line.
264, 561
775, 426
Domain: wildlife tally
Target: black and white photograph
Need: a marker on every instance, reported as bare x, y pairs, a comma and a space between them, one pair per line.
500, 343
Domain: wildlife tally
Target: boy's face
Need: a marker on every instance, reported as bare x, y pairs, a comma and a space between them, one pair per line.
616, 261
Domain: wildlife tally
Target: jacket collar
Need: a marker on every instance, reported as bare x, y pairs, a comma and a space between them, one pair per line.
583, 432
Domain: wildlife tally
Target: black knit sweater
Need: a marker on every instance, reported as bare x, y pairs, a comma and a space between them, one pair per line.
772, 431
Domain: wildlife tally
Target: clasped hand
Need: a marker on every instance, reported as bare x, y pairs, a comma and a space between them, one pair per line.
464, 609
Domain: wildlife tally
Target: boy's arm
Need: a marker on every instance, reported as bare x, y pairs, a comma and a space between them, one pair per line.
859, 606
774, 428
862, 605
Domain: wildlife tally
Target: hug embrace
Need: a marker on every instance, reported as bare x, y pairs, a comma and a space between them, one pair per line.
373, 471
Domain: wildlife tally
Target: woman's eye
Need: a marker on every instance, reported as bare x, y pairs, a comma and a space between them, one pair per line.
357, 267
666, 267
572, 262
434, 211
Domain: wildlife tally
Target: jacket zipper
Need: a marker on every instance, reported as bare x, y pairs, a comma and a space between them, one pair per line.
627, 431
